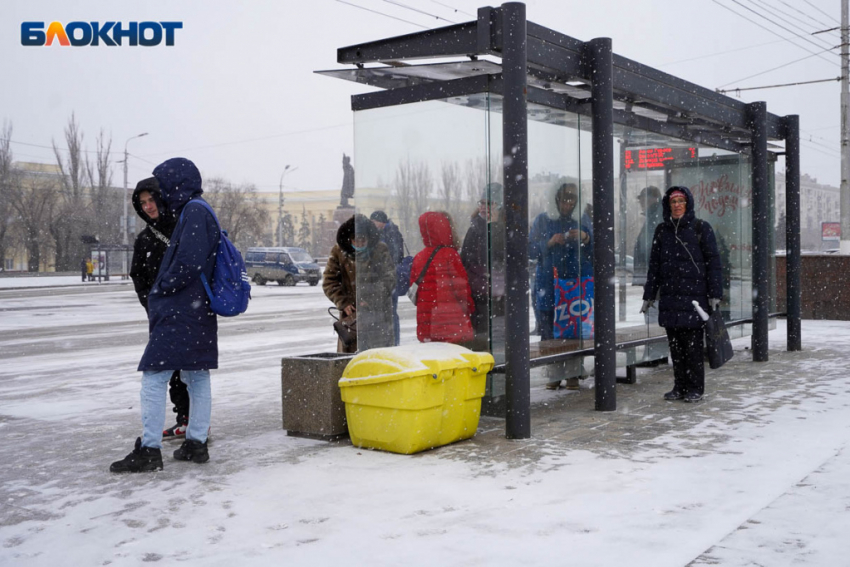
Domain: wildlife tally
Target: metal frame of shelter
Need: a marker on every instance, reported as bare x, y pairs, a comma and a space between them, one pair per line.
542, 66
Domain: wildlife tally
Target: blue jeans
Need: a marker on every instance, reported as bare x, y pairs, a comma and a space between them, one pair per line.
154, 386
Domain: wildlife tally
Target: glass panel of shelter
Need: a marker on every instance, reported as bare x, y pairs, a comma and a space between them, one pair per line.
413, 162
447, 158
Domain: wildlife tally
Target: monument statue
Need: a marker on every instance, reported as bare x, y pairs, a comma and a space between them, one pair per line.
347, 191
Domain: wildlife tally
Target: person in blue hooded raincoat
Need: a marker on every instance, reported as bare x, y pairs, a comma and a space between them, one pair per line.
557, 241
183, 329
684, 266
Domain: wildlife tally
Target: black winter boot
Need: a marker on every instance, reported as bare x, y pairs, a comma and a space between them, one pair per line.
674, 394
142, 459
192, 450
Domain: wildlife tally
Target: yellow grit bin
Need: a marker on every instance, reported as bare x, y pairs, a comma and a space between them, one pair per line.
410, 398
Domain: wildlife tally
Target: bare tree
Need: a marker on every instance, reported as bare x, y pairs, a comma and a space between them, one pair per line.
73, 217
412, 188
34, 199
6, 214
451, 194
106, 202
238, 209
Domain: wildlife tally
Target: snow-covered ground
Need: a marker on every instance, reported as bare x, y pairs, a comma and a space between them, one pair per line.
19, 281
757, 474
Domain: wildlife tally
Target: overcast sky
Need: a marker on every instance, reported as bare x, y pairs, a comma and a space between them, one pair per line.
237, 94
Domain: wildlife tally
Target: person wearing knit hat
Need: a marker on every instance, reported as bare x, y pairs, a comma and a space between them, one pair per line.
684, 267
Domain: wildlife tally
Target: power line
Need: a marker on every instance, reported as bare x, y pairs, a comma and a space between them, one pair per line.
50, 147
818, 22
821, 11
826, 31
455, 9
720, 53
382, 14
804, 38
721, 91
804, 143
417, 10
235, 142
795, 24
766, 29
773, 69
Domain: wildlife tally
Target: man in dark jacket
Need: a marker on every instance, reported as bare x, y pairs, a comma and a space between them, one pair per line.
148, 252
480, 253
684, 266
650, 204
391, 236
183, 329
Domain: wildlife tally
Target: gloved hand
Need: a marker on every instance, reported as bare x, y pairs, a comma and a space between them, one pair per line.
714, 304
647, 305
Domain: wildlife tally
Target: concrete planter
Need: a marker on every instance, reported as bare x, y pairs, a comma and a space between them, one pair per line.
312, 406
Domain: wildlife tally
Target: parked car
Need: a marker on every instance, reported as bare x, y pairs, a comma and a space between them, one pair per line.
285, 265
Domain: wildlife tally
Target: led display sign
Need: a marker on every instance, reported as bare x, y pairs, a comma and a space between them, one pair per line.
656, 158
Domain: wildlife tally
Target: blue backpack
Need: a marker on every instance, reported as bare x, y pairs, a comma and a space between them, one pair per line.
402, 275
230, 289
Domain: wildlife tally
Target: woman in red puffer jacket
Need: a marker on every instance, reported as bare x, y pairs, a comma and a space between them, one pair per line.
444, 301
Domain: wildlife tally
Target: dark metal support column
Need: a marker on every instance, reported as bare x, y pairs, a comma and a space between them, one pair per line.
761, 230
793, 299
515, 150
599, 69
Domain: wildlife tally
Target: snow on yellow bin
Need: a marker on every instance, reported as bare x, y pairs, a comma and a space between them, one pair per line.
410, 398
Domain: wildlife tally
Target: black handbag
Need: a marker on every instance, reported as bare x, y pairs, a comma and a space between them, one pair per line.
346, 329
717, 343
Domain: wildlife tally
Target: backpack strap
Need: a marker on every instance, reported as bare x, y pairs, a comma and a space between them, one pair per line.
427, 264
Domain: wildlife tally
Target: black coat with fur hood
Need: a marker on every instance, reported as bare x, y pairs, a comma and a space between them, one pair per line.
151, 243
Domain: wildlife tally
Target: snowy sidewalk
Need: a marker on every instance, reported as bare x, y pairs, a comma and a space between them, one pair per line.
758, 473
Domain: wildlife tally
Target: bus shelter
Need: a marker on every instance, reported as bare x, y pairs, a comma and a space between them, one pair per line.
490, 118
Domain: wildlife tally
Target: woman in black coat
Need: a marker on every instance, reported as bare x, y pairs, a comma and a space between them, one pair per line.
684, 266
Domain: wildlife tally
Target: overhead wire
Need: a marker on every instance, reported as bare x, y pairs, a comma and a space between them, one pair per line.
821, 11
741, 89
453, 8
382, 14
804, 38
818, 22
766, 29
774, 68
796, 24
418, 11
720, 53
814, 149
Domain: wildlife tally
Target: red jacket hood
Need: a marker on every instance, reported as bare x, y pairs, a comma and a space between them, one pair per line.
435, 230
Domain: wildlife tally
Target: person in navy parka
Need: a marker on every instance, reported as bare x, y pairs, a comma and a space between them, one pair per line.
183, 329
684, 266
558, 242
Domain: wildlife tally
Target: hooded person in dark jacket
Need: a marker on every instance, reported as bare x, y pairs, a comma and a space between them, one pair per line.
684, 266
148, 251
183, 329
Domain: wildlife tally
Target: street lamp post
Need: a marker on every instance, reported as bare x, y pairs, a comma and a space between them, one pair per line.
280, 206
125, 263
126, 198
